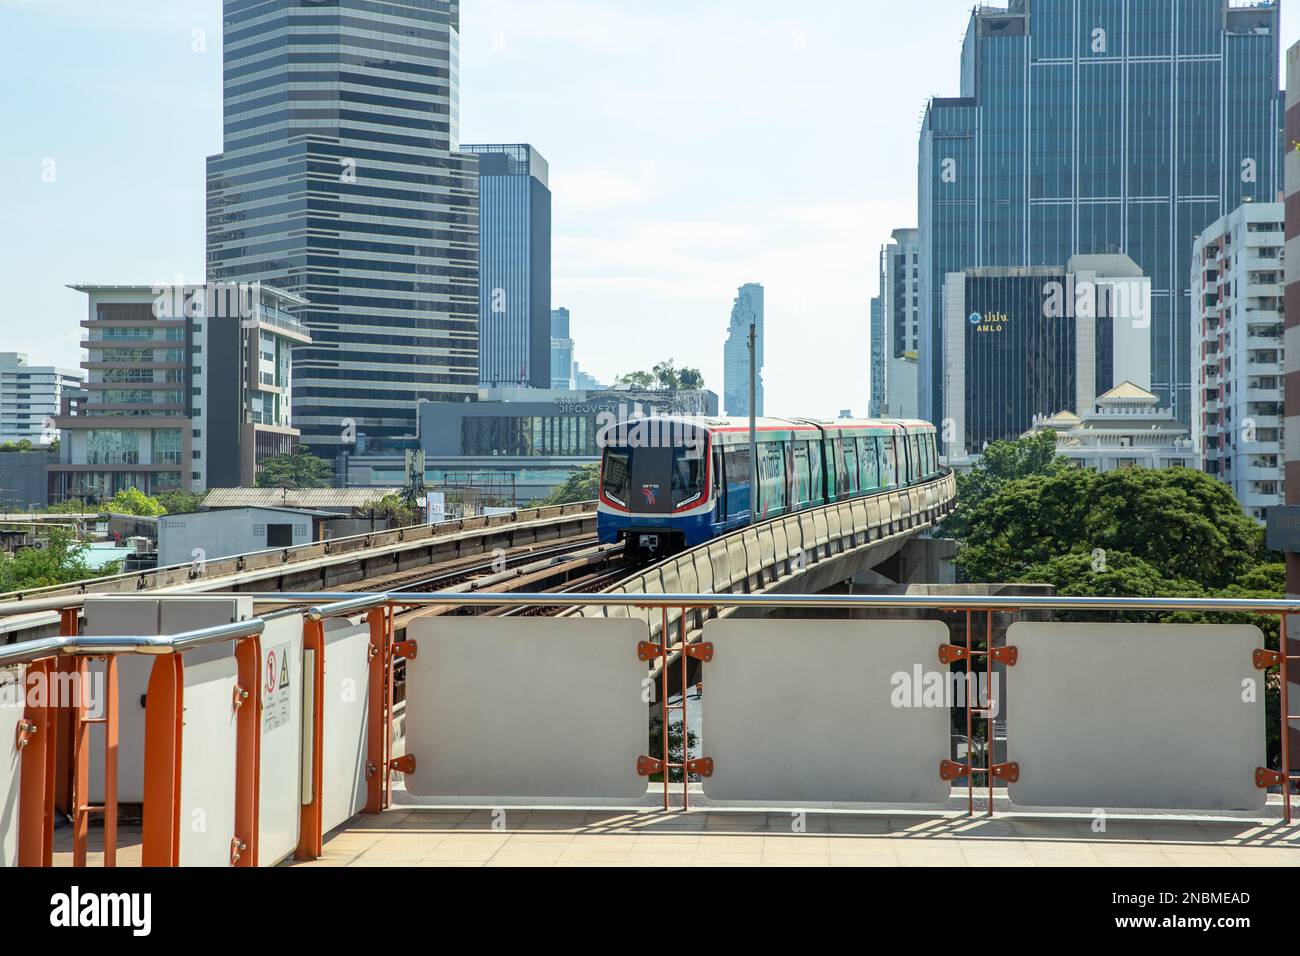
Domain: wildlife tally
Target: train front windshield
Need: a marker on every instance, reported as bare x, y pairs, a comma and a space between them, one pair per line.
653, 480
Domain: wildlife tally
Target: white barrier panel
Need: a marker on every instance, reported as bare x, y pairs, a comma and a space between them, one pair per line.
12, 705
826, 711
346, 706
209, 746
534, 707
1161, 716
280, 778
114, 616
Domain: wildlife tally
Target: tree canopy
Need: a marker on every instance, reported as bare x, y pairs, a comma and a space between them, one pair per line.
133, 501
1002, 462
1145, 529
581, 485
60, 561
665, 376
300, 469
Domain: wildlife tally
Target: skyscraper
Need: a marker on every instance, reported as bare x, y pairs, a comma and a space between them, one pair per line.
899, 325
1097, 126
745, 311
878, 339
340, 181
514, 267
562, 365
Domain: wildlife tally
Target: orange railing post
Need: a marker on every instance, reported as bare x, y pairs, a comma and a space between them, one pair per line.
378, 704
69, 626
248, 749
311, 837
36, 769
162, 762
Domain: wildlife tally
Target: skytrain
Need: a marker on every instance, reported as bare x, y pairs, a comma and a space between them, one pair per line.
671, 482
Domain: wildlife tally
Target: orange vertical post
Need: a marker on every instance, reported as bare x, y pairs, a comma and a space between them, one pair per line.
377, 717
36, 770
310, 837
1284, 736
62, 716
80, 763
162, 762
110, 760
248, 748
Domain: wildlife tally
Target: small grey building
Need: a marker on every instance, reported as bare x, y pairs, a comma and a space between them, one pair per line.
223, 532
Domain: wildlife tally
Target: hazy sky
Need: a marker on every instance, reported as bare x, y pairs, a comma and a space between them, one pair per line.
694, 145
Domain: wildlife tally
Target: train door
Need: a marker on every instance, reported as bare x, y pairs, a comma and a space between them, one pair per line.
853, 482
816, 485
719, 489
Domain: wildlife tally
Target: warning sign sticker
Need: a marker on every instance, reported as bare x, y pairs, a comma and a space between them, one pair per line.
276, 678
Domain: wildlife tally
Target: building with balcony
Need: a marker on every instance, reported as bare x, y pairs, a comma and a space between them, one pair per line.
30, 398
187, 387
248, 405
135, 426
1237, 356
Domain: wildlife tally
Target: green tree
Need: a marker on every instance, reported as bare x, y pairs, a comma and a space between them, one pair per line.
1184, 524
1002, 462
300, 469
665, 376
396, 509
60, 561
22, 444
180, 502
133, 501
581, 485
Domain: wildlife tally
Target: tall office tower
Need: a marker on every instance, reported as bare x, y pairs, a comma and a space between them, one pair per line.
1237, 353
745, 311
561, 350
514, 267
900, 297
878, 339
30, 396
1098, 127
340, 181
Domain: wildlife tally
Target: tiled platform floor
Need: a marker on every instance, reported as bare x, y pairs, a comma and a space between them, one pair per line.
454, 837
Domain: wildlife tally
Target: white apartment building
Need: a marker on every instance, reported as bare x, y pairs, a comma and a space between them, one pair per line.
1237, 354
30, 396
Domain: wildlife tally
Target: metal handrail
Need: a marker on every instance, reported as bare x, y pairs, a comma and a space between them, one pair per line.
82, 645
337, 603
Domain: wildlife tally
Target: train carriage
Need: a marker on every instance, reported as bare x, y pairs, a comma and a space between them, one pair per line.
673, 482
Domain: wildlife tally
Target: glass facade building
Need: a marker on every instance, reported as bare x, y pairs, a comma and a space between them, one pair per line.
340, 181
1097, 126
561, 350
514, 318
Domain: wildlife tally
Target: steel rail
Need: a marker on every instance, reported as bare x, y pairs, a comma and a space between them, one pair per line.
97, 646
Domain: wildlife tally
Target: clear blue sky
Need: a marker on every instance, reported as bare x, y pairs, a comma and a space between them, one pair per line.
694, 145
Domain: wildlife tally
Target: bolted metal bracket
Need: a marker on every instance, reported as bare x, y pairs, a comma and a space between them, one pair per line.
702, 651
1263, 659
403, 764
405, 649
700, 765
240, 696
26, 731
948, 653
1265, 778
646, 766
951, 769
237, 848
648, 650
371, 770
1010, 772
1007, 655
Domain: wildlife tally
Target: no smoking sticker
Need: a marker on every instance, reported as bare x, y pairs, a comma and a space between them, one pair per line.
276, 679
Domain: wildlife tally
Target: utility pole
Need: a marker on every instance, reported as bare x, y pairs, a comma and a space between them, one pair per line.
753, 436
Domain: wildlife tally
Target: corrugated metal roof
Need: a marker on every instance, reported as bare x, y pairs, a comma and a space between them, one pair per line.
294, 498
